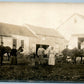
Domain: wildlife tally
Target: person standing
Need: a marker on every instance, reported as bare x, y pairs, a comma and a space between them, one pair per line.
14, 55
40, 54
1, 53
51, 60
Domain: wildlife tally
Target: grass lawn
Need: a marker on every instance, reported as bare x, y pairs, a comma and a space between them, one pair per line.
59, 72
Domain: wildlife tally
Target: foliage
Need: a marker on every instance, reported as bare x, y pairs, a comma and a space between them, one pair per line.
59, 72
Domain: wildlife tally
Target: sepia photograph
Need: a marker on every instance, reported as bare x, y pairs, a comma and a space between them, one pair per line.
41, 42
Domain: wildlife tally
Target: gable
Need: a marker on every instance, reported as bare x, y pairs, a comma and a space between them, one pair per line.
73, 25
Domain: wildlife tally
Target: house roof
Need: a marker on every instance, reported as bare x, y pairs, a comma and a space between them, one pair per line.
10, 29
44, 31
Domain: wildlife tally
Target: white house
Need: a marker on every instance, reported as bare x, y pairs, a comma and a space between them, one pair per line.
73, 30
15, 35
31, 37
46, 37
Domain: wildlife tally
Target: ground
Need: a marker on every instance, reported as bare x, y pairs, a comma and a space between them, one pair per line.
59, 72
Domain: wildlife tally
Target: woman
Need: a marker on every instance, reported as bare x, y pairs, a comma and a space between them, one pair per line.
51, 60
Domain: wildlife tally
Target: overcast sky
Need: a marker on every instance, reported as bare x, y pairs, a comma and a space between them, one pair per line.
41, 14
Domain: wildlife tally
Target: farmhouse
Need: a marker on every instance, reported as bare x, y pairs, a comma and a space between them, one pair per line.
15, 35
73, 30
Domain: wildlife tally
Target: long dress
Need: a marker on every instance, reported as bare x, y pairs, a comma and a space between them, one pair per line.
51, 60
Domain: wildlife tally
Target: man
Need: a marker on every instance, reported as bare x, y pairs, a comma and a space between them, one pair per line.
40, 54
14, 55
1, 53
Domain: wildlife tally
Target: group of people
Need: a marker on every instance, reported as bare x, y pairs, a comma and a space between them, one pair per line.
40, 53
13, 54
50, 53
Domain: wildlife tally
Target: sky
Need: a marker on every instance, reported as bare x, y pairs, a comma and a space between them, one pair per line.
48, 15
69, 1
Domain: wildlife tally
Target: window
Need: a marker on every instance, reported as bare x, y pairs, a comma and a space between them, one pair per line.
15, 42
22, 43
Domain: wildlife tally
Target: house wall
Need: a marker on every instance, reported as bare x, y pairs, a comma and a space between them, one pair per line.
73, 42
30, 42
8, 41
26, 42
58, 43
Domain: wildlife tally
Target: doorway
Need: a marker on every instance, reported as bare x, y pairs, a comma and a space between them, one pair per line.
43, 45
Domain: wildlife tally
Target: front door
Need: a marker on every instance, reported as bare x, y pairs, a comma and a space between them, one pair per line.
43, 45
